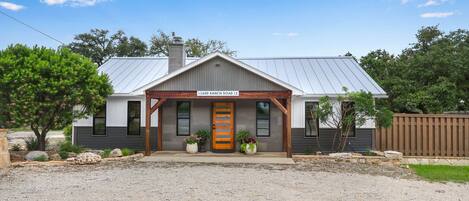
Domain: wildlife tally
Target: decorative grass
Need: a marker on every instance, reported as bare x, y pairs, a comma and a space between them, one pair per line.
442, 173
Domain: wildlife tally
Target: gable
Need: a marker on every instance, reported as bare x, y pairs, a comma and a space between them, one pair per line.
218, 74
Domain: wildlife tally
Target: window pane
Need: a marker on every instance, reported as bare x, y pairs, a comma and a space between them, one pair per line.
101, 112
311, 122
263, 118
133, 118
183, 126
183, 109
99, 127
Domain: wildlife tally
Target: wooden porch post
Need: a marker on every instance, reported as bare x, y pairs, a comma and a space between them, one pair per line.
289, 146
159, 146
147, 125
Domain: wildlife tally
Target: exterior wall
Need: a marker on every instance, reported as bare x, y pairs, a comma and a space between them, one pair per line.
245, 118
116, 137
218, 74
360, 143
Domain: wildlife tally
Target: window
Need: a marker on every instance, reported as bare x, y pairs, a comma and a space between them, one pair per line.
311, 122
347, 110
262, 119
133, 118
183, 118
99, 122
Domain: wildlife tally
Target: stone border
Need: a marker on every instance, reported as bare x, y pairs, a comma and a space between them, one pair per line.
63, 162
373, 160
421, 160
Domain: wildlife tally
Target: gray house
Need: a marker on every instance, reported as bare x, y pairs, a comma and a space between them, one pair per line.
159, 101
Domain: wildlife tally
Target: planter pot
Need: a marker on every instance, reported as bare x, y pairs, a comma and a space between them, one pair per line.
250, 151
191, 148
201, 147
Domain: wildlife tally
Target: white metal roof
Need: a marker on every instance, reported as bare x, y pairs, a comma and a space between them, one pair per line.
314, 76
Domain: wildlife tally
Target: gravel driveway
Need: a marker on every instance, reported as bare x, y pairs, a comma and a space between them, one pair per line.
183, 181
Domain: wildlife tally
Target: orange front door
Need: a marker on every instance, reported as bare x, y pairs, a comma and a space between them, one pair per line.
223, 126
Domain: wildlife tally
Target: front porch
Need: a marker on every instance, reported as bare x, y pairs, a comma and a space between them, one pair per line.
220, 158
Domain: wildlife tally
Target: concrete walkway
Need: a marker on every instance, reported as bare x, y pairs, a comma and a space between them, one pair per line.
220, 158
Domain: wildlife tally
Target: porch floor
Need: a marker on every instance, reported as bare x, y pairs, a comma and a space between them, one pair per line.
220, 158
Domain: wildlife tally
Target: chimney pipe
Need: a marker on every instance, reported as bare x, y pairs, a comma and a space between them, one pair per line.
176, 54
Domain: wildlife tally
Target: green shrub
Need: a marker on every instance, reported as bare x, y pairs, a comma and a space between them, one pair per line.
63, 154
32, 143
106, 153
127, 152
68, 133
242, 136
16, 147
69, 147
40, 158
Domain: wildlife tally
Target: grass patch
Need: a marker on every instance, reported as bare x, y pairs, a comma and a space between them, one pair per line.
69, 147
106, 153
442, 173
127, 152
40, 158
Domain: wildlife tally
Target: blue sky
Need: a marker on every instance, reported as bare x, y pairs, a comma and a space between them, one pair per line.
255, 28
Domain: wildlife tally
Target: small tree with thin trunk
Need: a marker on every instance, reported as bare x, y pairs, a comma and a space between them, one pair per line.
349, 111
41, 86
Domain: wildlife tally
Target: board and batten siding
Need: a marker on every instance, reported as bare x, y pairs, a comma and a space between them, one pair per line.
215, 75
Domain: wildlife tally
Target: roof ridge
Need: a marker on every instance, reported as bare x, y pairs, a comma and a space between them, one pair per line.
246, 58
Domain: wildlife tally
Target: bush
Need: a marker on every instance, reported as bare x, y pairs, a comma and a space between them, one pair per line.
40, 158
16, 147
68, 133
127, 152
32, 143
242, 136
63, 154
106, 153
69, 147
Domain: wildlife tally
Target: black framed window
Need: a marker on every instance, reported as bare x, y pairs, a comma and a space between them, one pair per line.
311, 121
99, 121
133, 117
183, 118
347, 110
262, 119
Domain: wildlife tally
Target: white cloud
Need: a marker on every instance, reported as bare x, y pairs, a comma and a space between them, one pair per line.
432, 3
437, 15
11, 6
289, 34
404, 2
73, 3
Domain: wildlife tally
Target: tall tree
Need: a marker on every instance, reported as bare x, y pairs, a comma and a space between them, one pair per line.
41, 86
194, 47
99, 45
430, 76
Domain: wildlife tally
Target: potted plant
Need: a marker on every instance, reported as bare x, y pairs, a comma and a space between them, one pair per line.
241, 137
191, 144
250, 146
202, 135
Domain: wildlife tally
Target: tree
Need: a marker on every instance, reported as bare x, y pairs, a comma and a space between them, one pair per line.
194, 47
99, 45
431, 76
41, 86
347, 111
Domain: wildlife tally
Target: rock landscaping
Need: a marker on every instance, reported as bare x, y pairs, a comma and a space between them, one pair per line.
116, 153
35, 155
87, 158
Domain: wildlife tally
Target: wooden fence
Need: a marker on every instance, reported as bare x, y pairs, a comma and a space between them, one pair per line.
425, 135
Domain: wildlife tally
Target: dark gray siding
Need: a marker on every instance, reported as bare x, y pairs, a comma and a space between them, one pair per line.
361, 143
218, 74
116, 137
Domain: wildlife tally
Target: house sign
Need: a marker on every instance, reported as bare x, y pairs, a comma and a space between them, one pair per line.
217, 93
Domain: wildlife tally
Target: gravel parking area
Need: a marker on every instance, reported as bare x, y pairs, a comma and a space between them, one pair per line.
192, 181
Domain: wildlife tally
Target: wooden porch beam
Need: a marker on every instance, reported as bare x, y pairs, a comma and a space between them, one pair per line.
159, 141
147, 125
157, 105
193, 95
289, 143
279, 105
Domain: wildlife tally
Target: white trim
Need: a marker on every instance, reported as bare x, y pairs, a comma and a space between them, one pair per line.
140, 91
336, 95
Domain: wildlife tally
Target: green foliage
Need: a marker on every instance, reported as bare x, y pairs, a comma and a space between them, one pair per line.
194, 47
68, 133
428, 77
243, 147
106, 153
16, 147
242, 136
69, 147
191, 140
63, 154
31, 143
41, 86
442, 173
41, 158
203, 135
127, 152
